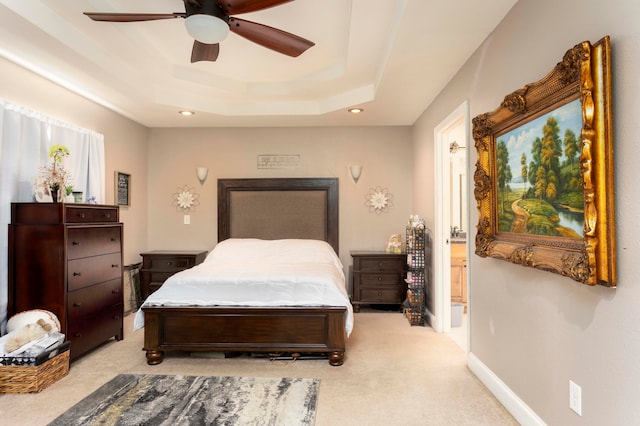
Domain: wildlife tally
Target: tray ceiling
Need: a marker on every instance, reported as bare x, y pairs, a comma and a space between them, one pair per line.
391, 57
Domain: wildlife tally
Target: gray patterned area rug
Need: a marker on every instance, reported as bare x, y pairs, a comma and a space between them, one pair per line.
144, 399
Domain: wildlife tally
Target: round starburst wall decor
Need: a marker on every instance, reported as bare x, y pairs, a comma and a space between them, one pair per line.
379, 200
186, 199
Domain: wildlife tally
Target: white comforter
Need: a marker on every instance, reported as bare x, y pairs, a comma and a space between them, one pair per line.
251, 272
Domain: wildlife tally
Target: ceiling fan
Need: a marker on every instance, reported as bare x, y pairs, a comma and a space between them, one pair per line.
209, 22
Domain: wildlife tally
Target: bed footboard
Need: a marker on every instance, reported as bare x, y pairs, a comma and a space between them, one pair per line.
245, 329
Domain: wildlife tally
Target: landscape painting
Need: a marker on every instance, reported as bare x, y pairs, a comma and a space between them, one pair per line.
539, 187
544, 181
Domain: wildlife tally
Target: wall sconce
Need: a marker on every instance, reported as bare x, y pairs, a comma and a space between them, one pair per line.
202, 174
356, 171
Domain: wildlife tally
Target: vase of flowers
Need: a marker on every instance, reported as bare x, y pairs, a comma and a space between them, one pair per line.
54, 176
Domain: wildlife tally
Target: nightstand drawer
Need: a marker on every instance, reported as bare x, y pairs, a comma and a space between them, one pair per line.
380, 279
160, 277
380, 264
381, 295
163, 263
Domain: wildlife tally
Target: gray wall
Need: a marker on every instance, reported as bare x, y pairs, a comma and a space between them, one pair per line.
533, 329
384, 152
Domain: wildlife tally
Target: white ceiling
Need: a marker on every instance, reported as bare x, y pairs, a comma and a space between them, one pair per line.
391, 57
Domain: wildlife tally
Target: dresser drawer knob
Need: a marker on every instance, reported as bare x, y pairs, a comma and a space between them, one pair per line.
108, 215
75, 243
77, 304
77, 274
169, 263
115, 265
116, 317
115, 291
379, 293
113, 239
379, 278
81, 215
77, 335
380, 264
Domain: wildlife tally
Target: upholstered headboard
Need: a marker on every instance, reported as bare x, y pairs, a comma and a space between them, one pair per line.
279, 208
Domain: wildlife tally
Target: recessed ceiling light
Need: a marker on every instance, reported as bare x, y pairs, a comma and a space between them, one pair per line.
355, 110
185, 112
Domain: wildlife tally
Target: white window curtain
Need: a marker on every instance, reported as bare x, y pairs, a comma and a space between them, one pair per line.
25, 138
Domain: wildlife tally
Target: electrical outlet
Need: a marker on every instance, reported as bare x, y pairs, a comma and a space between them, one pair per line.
575, 397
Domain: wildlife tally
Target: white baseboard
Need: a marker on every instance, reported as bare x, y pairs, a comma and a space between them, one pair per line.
514, 405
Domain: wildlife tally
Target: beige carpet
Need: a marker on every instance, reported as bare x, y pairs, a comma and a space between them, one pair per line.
393, 374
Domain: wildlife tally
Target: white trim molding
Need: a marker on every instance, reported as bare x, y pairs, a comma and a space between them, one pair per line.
514, 405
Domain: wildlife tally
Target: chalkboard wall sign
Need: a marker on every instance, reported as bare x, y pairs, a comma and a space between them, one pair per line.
123, 189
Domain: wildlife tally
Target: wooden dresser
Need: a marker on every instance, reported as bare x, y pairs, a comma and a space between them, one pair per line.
378, 278
67, 258
158, 265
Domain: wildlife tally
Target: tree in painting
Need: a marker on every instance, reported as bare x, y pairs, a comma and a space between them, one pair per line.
546, 198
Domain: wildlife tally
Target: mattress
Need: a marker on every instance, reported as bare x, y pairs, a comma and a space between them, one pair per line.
259, 273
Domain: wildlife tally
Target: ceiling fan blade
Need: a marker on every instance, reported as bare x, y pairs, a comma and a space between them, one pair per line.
204, 52
132, 17
236, 7
269, 37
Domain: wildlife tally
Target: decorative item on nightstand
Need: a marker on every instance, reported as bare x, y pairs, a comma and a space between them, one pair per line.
415, 306
395, 244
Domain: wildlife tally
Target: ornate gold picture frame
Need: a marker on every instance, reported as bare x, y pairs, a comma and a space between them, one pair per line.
546, 155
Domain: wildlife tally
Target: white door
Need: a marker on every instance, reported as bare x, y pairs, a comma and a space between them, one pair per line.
450, 135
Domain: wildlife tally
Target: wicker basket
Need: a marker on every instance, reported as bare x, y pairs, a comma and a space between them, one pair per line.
415, 297
415, 316
33, 378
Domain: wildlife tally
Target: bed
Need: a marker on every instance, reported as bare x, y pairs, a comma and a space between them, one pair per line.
251, 210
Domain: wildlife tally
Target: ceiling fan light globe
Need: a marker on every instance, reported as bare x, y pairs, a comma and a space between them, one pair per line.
206, 28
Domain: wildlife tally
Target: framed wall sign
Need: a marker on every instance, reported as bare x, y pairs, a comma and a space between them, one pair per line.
122, 189
544, 174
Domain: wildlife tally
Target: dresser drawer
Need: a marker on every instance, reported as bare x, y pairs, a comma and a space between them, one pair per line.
381, 295
91, 270
380, 279
380, 264
90, 330
85, 242
92, 299
89, 214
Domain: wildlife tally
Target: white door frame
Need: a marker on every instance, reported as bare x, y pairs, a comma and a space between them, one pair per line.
442, 232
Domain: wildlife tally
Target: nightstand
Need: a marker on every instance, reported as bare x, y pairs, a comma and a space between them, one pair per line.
158, 265
378, 278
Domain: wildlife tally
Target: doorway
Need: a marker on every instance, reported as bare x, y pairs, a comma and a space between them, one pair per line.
452, 222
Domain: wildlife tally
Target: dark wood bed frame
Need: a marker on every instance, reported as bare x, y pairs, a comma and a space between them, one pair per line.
301, 208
